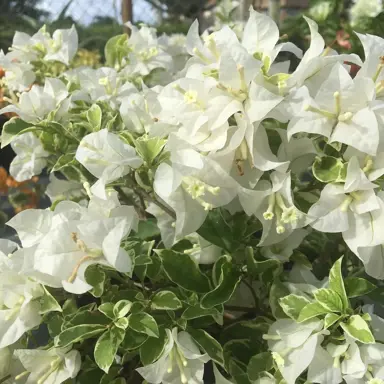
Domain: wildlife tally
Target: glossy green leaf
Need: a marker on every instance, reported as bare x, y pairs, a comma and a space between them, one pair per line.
106, 347
78, 333
358, 329
152, 349
228, 280
336, 282
293, 304
183, 271
209, 344
329, 299
310, 311
165, 300
144, 323
357, 286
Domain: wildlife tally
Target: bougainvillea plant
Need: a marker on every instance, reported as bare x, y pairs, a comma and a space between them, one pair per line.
216, 216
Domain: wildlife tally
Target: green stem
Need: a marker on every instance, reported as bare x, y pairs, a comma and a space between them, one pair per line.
253, 293
148, 197
4, 379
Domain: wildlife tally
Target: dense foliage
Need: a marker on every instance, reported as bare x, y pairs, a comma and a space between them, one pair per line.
214, 214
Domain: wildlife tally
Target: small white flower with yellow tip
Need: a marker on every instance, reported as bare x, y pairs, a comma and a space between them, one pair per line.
53, 366
180, 363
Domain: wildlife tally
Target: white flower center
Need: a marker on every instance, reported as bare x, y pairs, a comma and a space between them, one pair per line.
197, 189
177, 356
278, 209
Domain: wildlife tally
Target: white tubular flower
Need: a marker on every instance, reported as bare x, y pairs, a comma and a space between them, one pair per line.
202, 251
274, 207
323, 369
107, 157
248, 143
341, 112
139, 112
201, 111
354, 210
103, 84
261, 35
62, 46
52, 366
284, 249
34, 105
18, 76
61, 189
146, 53
93, 236
19, 305
194, 183
10, 366
31, 158
294, 345
181, 362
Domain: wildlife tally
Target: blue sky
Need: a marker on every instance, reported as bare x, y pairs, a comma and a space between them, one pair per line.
84, 11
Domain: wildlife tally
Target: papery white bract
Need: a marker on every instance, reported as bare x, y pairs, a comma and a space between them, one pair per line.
52, 366
180, 362
107, 157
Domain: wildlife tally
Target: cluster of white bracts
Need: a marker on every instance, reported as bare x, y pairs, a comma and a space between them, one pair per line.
209, 98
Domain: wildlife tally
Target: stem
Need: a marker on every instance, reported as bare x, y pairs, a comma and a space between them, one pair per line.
4, 379
236, 308
147, 196
128, 200
253, 293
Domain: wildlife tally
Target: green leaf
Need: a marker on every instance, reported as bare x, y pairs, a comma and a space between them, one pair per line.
336, 282
115, 50
64, 161
149, 148
293, 304
183, 271
256, 268
54, 323
48, 303
210, 345
238, 373
197, 311
94, 115
328, 169
258, 364
14, 127
78, 333
95, 276
278, 290
357, 328
229, 278
357, 286
133, 340
153, 348
165, 300
122, 323
107, 310
144, 323
121, 308
330, 319
148, 229
106, 347
310, 311
218, 232
329, 299
85, 316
